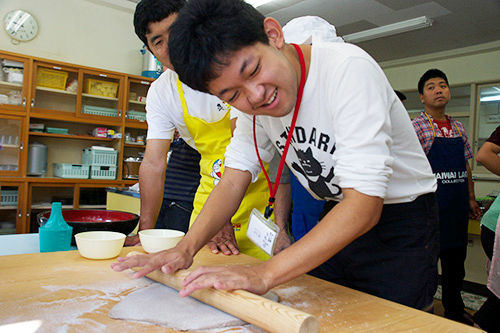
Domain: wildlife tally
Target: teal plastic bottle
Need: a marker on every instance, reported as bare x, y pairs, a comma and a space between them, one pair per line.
55, 234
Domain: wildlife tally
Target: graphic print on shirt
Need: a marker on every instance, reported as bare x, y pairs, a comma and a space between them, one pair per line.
222, 106
312, 169
216, 171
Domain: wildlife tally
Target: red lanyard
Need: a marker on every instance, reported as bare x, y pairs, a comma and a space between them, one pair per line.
273, 190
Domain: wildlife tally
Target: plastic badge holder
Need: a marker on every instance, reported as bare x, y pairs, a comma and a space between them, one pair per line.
262, 232
55, 234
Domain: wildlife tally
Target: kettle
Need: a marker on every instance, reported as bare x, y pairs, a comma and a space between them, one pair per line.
131, 168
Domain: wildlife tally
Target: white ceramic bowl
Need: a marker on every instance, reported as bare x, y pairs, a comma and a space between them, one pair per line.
156, 240
99, 244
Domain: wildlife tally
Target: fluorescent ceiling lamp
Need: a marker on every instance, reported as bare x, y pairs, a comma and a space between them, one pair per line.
390, 29
493, 98
257, 3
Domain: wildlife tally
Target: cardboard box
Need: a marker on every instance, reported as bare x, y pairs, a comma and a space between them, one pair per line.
100, 132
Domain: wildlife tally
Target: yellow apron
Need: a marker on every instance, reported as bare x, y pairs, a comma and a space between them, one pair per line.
211, 140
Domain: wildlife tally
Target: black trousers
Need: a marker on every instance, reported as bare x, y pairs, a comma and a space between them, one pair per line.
488, 316
452, 279
396, 259
174, 214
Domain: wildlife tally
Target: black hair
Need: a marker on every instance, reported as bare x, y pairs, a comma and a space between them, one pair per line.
430, 74
206, 33
401, 96
148, 11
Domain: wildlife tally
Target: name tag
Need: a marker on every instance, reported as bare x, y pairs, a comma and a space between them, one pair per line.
262, 232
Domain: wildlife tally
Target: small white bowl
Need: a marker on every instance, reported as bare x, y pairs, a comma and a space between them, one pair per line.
100, 244
156, 240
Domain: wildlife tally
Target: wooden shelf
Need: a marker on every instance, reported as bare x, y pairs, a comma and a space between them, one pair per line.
56, 91
56, 180
5, 145
72, 136
47, 206
136, 124
131, 145
92, 206
71, 118
8, 207
100, 97
11, 84
136, 102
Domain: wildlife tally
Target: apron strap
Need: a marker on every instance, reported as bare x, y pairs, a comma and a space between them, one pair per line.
181, 95
432, 126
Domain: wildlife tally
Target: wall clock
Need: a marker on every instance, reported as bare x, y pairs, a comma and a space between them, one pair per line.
20, 25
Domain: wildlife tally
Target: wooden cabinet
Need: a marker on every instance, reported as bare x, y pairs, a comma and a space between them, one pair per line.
135, 119
72, 101
49, 95
11, 145
102, 95
14, 78
12, 207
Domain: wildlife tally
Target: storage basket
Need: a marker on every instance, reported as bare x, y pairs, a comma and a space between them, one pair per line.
136, 115
99, 111
8, 198
102, 172
100, 88
68, 170
99, 157
50, 78
56, 130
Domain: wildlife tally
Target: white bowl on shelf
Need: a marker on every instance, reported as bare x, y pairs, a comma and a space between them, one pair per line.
100, 244
156, 240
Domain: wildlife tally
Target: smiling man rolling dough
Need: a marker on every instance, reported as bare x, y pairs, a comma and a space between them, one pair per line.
353, 144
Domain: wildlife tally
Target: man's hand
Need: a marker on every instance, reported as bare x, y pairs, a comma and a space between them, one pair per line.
282, 242
224, 241
168, 261
132, 240
475, 210
226, 278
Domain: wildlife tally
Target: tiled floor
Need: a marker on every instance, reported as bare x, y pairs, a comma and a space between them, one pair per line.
439, 310
471, 301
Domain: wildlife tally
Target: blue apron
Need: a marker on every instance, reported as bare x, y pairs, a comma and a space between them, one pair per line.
448, 163
306, 209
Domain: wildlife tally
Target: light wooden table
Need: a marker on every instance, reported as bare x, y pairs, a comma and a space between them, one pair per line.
64, 291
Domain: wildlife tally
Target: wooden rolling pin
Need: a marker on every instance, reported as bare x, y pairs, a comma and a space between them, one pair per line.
257, 310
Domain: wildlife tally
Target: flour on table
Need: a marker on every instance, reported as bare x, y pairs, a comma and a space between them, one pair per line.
162, 305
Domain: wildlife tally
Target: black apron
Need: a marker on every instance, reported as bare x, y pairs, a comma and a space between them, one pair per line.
448, 163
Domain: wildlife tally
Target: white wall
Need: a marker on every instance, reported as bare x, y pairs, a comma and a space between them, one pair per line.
477, 64
94, 33
99, 33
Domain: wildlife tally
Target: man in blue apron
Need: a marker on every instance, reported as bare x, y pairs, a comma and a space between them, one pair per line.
445, 143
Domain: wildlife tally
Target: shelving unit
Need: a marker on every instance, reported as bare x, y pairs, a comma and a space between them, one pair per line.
59, 103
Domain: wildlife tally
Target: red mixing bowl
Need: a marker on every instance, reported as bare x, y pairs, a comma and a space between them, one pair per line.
95, 220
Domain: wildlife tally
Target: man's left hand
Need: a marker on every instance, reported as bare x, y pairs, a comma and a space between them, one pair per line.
475, 211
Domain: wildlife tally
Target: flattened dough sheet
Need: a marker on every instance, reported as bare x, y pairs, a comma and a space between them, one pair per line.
161, 305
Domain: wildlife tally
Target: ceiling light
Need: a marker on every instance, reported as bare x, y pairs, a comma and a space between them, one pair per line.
390, 29
493, 98
257, 3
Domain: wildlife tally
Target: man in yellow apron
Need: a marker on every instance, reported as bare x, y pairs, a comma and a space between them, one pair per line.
202, 121
211, 140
